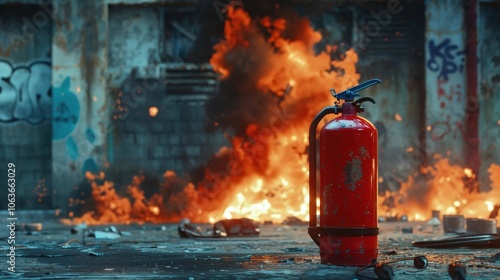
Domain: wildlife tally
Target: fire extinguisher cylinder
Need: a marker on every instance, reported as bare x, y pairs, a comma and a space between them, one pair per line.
348, 171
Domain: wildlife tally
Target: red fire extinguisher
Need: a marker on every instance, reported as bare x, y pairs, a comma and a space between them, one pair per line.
348, 163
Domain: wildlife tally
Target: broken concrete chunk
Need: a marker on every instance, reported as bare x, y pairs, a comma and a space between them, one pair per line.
98, 234
289, 260
407, 230
293, 221
496, 258
434, 222
112, 229
186, 230
76, 229
236, 227
29, 227
457, 271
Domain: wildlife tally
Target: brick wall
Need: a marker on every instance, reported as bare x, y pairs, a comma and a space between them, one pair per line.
25, 103
175, 139
29, 148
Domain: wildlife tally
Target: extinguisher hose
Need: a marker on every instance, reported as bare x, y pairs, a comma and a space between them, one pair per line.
312, 169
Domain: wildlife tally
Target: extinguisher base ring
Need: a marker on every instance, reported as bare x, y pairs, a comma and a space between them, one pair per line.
337, 231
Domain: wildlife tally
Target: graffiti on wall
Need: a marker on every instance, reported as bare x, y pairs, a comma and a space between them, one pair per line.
66, 111
25, 92
445, 58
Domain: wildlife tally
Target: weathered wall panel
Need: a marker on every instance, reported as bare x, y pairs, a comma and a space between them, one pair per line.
174, 139
445, 79
25, 103
80, 108
489, 86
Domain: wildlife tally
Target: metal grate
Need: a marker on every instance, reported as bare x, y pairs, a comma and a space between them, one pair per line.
194, 80
399, 37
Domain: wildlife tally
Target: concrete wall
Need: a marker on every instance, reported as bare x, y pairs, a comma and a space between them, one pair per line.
489, 86
140, 55
25, 103
80, 98
105, 63
445, 79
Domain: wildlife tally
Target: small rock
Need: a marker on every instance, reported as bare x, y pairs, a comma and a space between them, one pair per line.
105, 235
457, 271
384, 271
289, 260
407, 230
295, 249
434, 222
420, 262
496, 258
113, 229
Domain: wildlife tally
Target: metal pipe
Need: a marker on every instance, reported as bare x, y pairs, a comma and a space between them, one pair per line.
472, 157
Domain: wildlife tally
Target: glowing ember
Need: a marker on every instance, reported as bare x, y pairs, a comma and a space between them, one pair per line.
398, 117
153, 111
468, 172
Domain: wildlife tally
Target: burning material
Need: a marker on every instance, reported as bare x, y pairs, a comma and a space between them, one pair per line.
273, 83
442, 187
222, 228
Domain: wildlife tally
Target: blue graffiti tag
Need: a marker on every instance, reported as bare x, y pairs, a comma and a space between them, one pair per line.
65, 112
25, 92
442, 58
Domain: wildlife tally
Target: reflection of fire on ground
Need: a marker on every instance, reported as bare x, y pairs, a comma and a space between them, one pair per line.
273, 83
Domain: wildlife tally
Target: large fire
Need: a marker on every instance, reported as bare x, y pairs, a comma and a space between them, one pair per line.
276, 82
443, 187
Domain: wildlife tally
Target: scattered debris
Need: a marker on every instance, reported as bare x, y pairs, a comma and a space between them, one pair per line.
98, 234
289, 260
494, 212
407, 230
29, 227
457, 271
434, 222
383, 271
112, 229
453, 223
436, 214
475, 226
66, 244
186, 230
207, 259
390, 253
477, 241
496, 258
293, 221
420, 262
76, 229
236, 227
295, 249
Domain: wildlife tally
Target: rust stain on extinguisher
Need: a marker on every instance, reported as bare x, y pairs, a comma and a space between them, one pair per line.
353, 173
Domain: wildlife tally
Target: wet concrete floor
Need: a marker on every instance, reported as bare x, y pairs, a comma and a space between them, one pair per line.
280, 252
